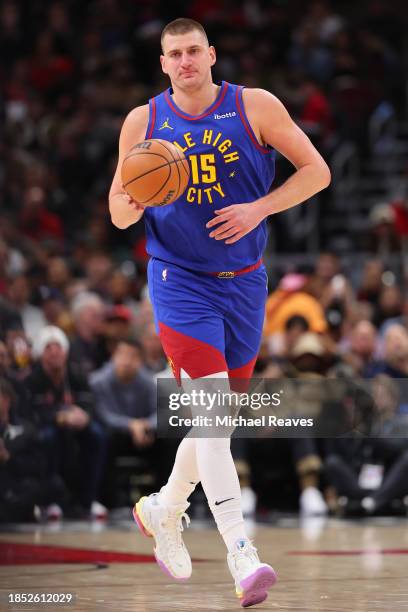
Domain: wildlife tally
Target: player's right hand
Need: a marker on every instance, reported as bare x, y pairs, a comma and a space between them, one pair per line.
132, 203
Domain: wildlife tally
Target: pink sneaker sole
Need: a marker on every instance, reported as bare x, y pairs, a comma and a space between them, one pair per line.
255, 587
164, 569
147, 533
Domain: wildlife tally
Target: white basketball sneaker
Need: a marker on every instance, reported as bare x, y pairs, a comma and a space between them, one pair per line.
252, 578
165, 524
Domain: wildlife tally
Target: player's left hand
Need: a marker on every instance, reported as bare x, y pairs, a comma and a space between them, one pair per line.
236, 221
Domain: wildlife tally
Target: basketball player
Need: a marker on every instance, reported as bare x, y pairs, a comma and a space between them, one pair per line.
206, 277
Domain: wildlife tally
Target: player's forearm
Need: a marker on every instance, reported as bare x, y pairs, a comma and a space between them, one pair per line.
303, 184
122, 213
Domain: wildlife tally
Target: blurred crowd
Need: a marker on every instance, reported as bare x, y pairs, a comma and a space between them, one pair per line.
79, 361
71, 71
79, 353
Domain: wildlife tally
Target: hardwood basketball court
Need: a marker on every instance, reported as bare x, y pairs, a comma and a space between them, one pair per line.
327, 566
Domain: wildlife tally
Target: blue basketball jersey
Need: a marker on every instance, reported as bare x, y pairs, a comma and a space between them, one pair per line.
227, 166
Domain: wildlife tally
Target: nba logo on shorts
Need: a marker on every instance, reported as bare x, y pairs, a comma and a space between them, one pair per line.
164, 274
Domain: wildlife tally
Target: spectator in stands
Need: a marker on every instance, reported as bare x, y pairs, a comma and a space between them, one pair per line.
369, 471
125, 394
32, 317
363, 346
337, 298
281, 344
308, 358
327, 267
154, 358
324, 20
371, 281
54, 309
292, 298
35, 221
24, 482
390, 306
58, 274
120, 290
309, 56
20, 404
10, 318
4, 360
62, 408
145, 315
314, 115
125, 401
98, 268
118, 326
12, 262
19, 350
88, 349
383, 233
395, 354
331, 287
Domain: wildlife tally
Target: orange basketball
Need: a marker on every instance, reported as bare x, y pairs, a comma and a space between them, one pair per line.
155, 172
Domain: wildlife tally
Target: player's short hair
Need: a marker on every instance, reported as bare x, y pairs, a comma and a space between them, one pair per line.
182, 25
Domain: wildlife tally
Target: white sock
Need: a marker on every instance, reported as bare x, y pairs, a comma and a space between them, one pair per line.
220, 482
184, 476
216, 467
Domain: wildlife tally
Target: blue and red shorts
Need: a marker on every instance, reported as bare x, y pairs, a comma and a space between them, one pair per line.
208, 323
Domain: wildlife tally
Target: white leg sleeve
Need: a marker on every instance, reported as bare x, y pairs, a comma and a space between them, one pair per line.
218, 474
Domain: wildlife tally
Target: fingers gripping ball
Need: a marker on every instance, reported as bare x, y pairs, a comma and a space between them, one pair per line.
155, 172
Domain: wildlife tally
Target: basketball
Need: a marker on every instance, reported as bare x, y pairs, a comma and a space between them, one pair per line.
155, 172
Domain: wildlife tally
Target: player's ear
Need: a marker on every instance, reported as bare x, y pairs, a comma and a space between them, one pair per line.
213, 55
163, 63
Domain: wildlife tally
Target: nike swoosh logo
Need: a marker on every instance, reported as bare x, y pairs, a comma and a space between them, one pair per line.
224, 500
